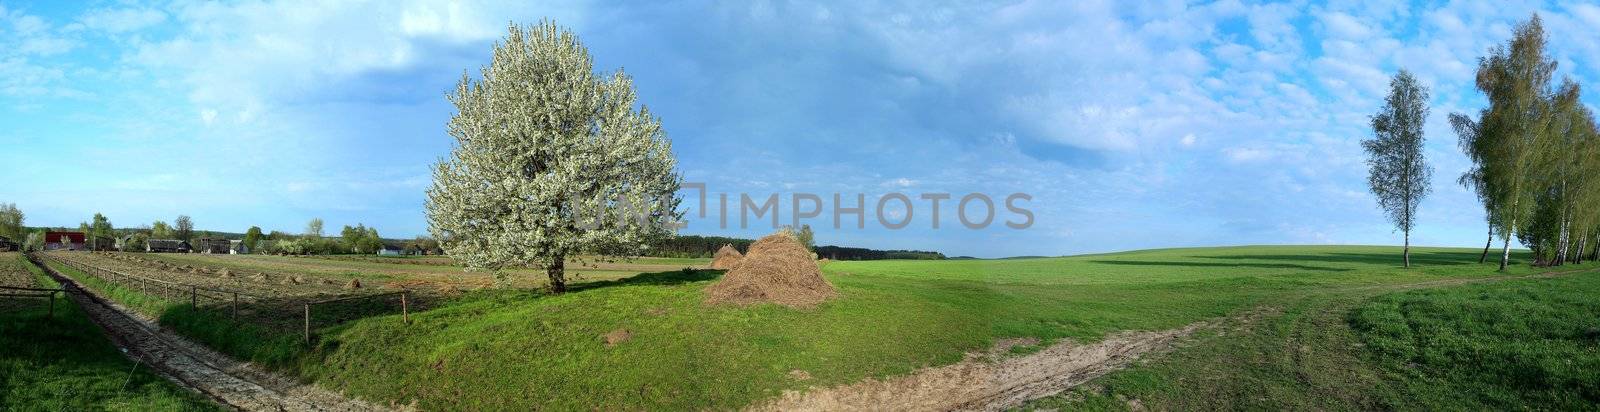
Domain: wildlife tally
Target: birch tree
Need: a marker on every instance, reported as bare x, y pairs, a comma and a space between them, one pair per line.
541, 140
1515, 77
1399, 174
183, 228
1467, 132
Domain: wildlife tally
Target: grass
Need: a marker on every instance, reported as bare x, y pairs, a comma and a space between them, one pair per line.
64, 363
520, 350
208, 326
1494, 345
1524, 344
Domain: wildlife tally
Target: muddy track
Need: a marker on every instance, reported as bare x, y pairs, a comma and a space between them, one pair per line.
229, 382
992, 381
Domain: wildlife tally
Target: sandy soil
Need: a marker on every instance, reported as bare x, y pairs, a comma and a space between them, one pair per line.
991, 380
229, 382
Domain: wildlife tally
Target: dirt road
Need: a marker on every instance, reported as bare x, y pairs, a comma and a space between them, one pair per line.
229, 382
992, 381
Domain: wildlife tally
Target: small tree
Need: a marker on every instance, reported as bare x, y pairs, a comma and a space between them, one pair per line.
542, 140
135, 242
35, 241
183, 228
1399, 175
314, 228
99, 228
252, 238
11, 222
160, 230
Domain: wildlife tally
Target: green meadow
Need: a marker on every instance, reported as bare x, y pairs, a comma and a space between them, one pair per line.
521, 350
61, 361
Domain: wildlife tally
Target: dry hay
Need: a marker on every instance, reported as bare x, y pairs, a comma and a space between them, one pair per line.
616, 336
354, 284
726, 258
777, 269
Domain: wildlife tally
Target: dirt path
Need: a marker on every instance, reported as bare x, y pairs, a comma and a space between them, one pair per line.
231, 383
991, 381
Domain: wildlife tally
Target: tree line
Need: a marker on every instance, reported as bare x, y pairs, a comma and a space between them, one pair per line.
358, 239
695, 246
1535, 153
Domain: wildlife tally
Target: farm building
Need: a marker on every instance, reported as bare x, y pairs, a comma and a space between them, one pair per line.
6, 245
166, 246
103, 244
126, 243
213, 246
64, 240
238, 247
391, 250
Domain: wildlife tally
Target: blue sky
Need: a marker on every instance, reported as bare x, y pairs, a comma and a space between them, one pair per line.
1132, 125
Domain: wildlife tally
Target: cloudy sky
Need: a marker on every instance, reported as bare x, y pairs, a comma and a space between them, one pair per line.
1131, 126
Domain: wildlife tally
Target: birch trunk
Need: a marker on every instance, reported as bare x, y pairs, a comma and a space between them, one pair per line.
1486, 245
1408, 249
1505, 252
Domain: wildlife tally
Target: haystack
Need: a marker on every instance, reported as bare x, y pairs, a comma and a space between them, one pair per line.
777, 269
726, 258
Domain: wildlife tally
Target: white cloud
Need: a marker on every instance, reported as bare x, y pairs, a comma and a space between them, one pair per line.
122, 20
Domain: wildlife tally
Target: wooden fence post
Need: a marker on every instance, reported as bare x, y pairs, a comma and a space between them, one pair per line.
235, 306
194, 302
405, 314
308, 324
52, 314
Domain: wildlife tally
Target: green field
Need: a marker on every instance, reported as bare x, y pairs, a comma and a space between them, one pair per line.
516, 350
64, 363
521, 350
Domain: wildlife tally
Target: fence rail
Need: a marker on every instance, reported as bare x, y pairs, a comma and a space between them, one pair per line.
47, 293
170, 289
230, 297
405, 311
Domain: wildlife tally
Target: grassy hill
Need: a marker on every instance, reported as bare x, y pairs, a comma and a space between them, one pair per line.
60, 361
519, 350
511, 349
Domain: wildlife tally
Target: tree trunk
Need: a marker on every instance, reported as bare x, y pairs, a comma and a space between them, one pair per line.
1577, 255
1505, 253
1486, 245
1408, 249
1561, 249
557, 271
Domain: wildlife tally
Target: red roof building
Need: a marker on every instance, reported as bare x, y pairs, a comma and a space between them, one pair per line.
64, 240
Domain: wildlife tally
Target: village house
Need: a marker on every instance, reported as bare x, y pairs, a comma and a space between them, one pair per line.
6, 245
104, 244
212, 246
64, 240
166, 246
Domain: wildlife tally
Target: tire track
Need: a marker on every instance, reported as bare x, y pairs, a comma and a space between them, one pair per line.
229, 382
984, 383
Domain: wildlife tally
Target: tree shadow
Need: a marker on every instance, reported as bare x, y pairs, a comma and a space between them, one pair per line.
1431, 258
668, 278
1221, 265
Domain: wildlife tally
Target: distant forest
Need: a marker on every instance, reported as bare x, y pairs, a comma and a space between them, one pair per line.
704, 246
683, 246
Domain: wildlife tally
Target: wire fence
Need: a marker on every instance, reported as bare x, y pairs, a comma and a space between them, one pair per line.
16, 292
231, 299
